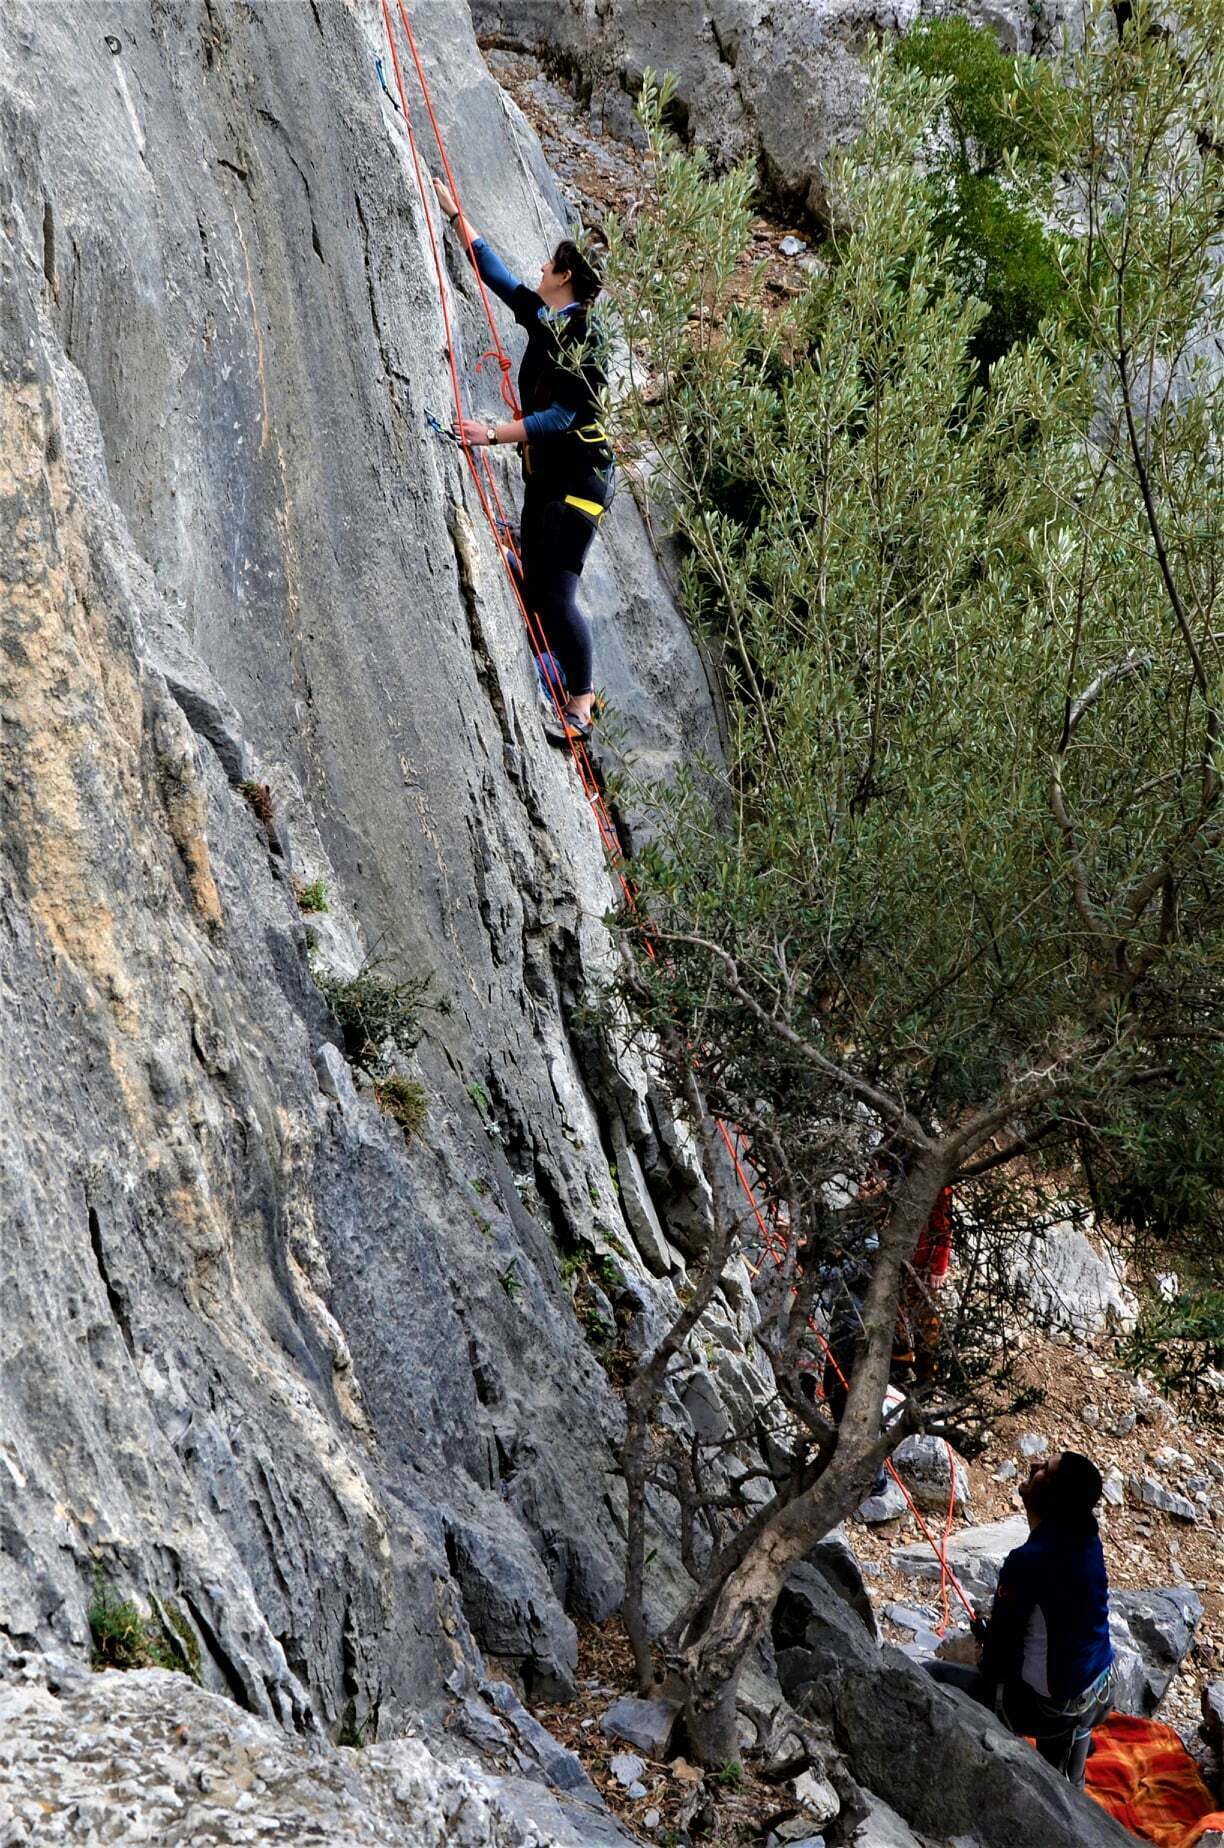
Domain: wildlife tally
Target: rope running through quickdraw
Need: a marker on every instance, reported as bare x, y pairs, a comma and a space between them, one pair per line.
499, 527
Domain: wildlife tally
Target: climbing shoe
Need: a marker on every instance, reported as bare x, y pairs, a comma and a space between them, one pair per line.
566, 729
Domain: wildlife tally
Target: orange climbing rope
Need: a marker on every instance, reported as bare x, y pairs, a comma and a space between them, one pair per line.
485, 483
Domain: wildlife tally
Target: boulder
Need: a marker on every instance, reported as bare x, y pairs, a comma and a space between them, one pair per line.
1146, 1493
1213, 1714
1070, 1286
974, 1554
941, 1762
932, 1472
907, 1619
1152, 1632
648, 1724
830, 1571
889, 1505
882, 1828
702, 1400
818, 1798
148, 1757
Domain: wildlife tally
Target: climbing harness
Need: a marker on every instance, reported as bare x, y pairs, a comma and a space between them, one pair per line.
485, 483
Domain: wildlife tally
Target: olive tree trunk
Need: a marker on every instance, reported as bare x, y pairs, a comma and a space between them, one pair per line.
712, 1662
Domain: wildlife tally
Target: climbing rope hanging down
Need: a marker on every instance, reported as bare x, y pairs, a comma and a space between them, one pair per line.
485, 482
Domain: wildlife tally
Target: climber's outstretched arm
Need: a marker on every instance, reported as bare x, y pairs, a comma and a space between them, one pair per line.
493, 272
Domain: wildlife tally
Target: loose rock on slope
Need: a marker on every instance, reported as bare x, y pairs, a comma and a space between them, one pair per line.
146, 1757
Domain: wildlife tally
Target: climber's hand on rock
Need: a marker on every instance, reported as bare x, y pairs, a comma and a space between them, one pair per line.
446, 199
471, 432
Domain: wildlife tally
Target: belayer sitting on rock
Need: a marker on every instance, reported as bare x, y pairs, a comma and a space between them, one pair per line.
568, 470
1047, 1664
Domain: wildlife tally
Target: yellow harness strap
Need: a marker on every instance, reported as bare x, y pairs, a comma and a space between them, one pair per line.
585, 506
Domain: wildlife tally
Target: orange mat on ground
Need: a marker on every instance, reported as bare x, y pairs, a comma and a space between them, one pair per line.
1143, 1775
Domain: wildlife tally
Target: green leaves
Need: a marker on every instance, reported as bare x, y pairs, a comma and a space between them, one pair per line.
996, 138
967, 623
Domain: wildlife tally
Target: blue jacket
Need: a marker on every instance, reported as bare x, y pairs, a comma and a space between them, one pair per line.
1049, 1624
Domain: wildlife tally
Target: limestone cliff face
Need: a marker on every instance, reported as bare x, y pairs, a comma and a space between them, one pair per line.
778, 82
321, 1391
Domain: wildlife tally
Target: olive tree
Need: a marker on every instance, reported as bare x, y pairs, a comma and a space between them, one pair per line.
956, 888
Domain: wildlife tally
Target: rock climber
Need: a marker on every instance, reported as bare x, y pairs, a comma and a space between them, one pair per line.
568, 468
1046, 1663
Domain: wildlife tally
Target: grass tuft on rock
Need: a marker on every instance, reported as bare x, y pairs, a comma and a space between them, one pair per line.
121, 1636
404, 1100
258, 797
312, 897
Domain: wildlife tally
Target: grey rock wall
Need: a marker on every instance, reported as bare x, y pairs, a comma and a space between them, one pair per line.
780, 82
321, 1392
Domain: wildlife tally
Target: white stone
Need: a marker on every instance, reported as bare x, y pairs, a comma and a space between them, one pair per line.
626, 1767
817, 1796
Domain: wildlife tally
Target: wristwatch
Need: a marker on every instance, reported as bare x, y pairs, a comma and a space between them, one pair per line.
491, 433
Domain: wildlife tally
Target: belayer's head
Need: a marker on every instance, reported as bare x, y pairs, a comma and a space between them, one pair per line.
1064, 1491
569, 276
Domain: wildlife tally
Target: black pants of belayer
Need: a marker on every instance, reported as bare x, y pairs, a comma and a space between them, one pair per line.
553, 543
1061, 1733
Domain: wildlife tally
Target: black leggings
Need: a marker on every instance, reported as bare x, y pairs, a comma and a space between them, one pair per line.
553, 545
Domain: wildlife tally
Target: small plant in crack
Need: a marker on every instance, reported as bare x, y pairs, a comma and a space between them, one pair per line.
511, 1282
404, 1100
258, 797
312, 897
121, 1636
378, 1012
